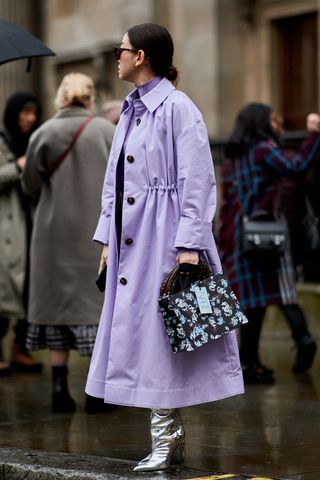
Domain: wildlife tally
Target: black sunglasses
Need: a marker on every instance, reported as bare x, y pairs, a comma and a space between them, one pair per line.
119, 50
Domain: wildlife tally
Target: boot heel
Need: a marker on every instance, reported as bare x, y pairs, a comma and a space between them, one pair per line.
178, 456
168, 440
183, 453
62, 402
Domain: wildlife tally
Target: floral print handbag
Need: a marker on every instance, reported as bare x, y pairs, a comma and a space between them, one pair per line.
203, 311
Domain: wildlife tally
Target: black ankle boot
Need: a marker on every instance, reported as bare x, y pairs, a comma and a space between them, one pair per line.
254, 374
306, 346
62, 402
307, 349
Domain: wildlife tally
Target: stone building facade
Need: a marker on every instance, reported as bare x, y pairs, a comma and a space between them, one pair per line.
228, 52
13, 75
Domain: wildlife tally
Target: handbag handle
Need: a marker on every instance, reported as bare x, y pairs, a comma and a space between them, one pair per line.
168, 286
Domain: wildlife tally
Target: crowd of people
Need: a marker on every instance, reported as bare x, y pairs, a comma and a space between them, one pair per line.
158, 203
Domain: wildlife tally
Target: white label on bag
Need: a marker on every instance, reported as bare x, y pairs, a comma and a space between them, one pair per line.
203, 300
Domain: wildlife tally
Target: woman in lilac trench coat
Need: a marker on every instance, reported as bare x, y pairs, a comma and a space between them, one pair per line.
160, 162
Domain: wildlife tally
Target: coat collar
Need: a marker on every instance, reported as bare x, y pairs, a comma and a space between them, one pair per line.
152, 99
72, 112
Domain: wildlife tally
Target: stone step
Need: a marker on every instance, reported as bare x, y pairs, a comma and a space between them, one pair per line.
27, 464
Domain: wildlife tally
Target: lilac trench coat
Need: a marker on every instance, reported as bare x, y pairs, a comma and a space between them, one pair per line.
169, 202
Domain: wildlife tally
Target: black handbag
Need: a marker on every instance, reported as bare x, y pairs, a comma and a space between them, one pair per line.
262, 233
204, 310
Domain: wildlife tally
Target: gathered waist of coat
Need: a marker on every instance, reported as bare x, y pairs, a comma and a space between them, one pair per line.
162, 188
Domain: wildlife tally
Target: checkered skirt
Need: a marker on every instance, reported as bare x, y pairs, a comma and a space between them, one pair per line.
62, 337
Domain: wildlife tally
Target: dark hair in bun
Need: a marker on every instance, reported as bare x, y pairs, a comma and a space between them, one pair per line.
157, 44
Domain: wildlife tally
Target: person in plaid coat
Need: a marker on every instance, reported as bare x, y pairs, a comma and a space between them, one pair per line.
251, 175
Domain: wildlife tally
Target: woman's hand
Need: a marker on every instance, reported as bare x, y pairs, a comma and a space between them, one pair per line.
313, 122
21, 161
188, 257
104, 257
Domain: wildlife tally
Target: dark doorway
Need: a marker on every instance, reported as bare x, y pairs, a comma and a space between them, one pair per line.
297, 68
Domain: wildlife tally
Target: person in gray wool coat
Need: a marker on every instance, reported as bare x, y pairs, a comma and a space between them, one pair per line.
21, 117
66, 161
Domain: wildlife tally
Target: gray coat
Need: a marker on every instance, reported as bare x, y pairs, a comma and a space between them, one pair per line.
13, 242
64, 261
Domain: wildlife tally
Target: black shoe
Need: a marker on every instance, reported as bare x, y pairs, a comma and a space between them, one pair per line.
5, 371
305, 356
265, 369
22, 361
62, 402
255, 374
97, 405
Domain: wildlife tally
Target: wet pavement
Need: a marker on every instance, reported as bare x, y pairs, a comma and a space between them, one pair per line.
270, 432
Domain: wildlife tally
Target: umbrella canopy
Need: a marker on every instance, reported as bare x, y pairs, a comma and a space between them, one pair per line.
16, 42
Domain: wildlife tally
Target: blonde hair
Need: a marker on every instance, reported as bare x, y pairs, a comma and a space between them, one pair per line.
75, 87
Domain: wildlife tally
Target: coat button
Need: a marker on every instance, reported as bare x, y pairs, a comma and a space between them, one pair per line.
123, 281
138, 121
130, 200
9, 216
130, 158
128, 241
8, 241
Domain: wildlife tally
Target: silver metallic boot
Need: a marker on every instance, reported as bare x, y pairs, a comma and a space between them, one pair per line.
168, 436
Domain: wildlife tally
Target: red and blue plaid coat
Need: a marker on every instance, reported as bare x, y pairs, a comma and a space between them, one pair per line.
248, 184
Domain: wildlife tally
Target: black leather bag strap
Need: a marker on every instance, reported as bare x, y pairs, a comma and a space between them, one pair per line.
56, 164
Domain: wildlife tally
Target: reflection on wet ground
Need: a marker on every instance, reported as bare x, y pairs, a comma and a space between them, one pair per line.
272, 431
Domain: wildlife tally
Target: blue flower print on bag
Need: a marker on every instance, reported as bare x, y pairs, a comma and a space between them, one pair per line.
187, 328
227, 309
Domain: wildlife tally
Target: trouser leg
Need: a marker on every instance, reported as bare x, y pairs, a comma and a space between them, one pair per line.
4, 326
253, 371
250, 335
21, 360
297, 322
20, 330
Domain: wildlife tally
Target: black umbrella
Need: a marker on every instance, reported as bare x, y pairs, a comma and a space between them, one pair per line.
16, 42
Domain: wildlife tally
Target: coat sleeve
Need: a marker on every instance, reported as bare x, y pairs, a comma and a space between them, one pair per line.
285, 163
195, 178
9, 173
34, 170
102, 231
